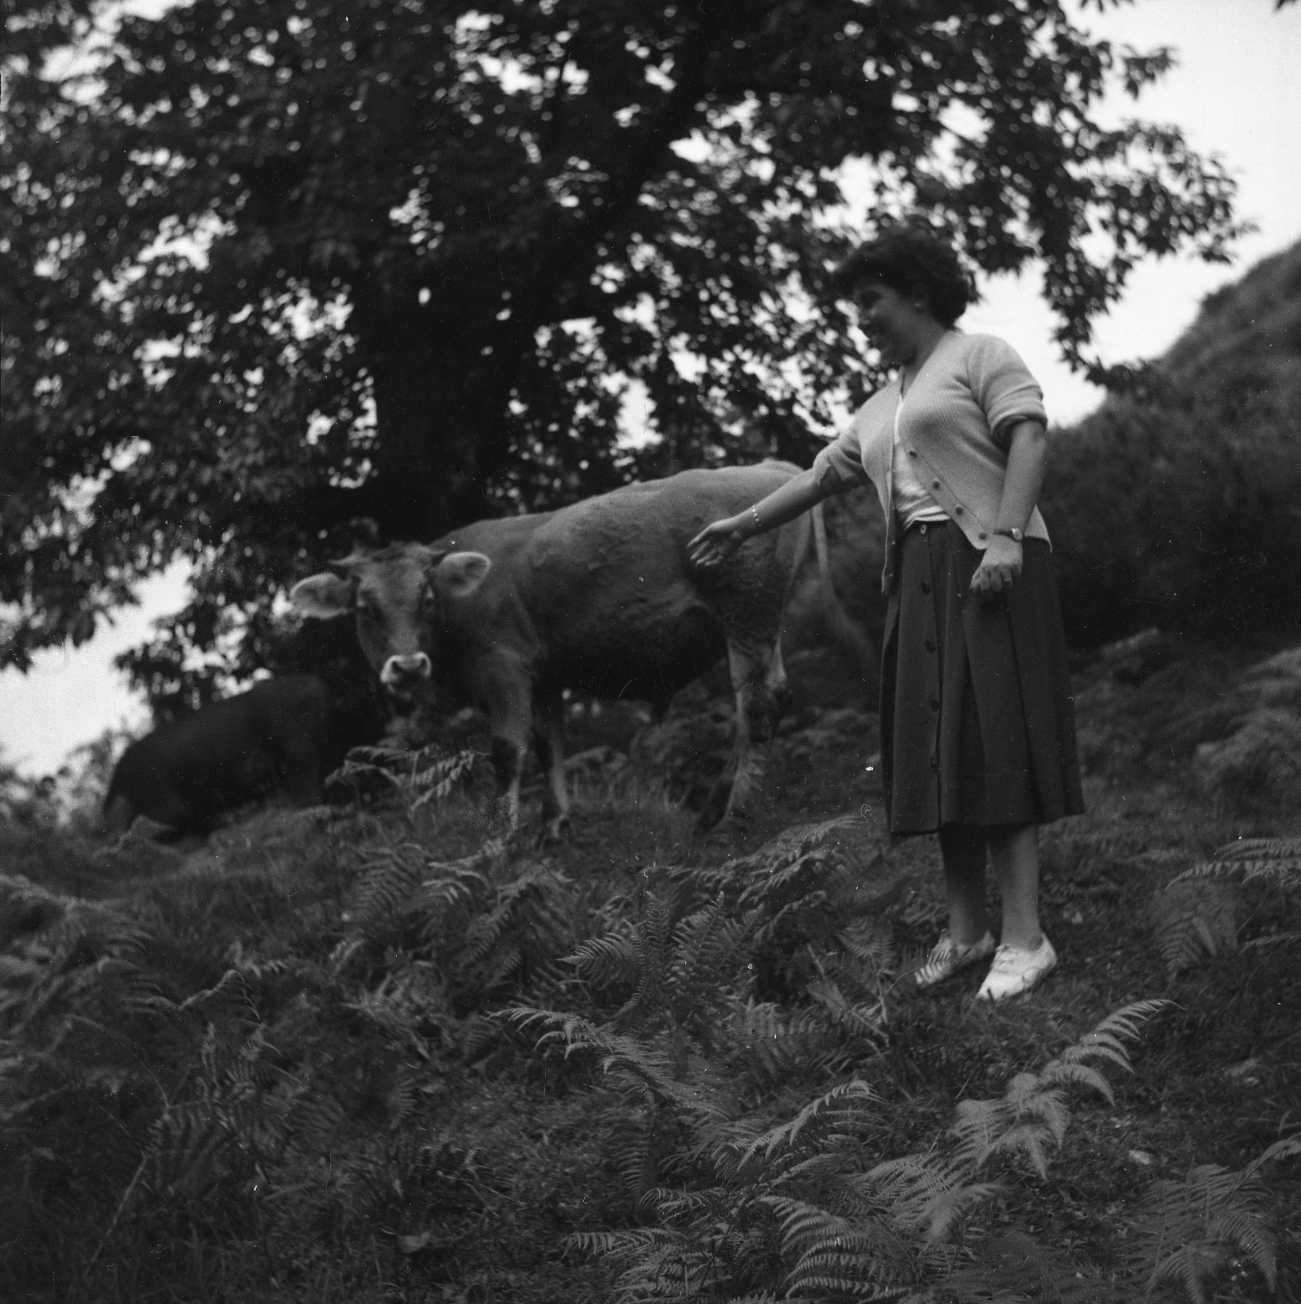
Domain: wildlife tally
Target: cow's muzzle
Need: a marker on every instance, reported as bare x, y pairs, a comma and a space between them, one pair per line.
403, 675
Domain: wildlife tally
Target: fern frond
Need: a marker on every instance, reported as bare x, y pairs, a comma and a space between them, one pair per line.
868, 943
709, 946
1067, 1073
913, 1187
656, 1069
1125, 1024
1275, 862
777, 1040
1195, 917
803, 1224
679, 1205
786, 867
1026, 1097
314, 1122
634, 1153
1288, 1147
448, 886
654, 1263
185, 1151
385, 892
861, 1020
949, 1209
1186, 1231
616, 1245
1107, 1041
605, 961
436, 780
571, 1031
976, 1129
1274, 939
1261, 848
653, 945
1034, 1141
231, 996
838, 1107
1015, 1268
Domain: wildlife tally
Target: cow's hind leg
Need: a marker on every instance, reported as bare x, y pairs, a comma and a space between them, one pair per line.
759, 690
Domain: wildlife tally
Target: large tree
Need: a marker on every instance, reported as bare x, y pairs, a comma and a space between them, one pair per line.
273, 265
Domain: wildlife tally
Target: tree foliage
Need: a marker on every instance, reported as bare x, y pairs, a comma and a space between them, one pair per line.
272, 265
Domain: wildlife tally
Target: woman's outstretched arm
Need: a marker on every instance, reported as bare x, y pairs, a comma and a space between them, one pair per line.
720, 539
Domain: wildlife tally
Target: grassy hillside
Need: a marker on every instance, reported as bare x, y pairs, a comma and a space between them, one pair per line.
1177, 506
377, 1056
367, 1058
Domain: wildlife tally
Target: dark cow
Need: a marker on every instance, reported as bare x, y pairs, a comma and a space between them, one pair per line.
186, 773
598, 597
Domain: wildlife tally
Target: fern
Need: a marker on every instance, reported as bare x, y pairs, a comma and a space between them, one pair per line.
611, 960
386, 890
1031, 1119
436, 778
1274, 862
525, 925
1187, 1231
428, 776
1193, 919
831, 1118
1015, 1268
778, 1041
834, 1223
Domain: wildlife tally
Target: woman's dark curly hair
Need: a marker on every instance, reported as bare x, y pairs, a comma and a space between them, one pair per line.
917, 263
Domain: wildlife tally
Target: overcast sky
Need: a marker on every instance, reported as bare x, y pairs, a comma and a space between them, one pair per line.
1235, 94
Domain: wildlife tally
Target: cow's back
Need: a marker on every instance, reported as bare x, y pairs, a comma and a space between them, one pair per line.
188, 771
617, 606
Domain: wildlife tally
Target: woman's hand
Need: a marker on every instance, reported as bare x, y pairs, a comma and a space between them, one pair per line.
999, 568
717, 541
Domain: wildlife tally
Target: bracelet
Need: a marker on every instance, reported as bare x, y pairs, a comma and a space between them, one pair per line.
758, 524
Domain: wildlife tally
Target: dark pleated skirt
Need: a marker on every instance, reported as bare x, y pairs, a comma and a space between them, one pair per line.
977, 716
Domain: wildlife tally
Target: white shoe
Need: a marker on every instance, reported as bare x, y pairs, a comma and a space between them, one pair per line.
947, 957
1016, 970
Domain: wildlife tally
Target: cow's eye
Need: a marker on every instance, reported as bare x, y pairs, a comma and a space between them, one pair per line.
369, 613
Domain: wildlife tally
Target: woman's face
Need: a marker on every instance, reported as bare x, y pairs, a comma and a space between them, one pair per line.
892, 321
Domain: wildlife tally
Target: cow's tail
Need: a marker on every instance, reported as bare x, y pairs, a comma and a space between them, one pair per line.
844, 631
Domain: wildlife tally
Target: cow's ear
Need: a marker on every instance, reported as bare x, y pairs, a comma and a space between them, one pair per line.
460, 573
322, 596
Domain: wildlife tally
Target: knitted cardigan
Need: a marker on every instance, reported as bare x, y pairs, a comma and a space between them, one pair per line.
956, 426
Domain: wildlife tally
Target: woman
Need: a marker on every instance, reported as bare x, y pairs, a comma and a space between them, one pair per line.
977, 721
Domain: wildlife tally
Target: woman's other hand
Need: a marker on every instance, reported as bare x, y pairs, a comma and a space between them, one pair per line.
1000, 567
717, 541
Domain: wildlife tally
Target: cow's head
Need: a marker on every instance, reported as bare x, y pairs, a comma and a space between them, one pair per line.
394, 594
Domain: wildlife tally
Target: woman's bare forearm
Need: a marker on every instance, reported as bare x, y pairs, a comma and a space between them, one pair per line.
720, 539
785, 503
1026, 455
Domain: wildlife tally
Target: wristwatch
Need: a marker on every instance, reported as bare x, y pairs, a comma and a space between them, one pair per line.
1017, 536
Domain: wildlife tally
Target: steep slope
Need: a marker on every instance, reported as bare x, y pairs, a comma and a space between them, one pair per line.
1176, 505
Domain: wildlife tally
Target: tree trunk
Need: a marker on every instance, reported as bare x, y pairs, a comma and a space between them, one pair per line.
440, 403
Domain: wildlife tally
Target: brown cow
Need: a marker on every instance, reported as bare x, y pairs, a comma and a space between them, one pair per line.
598, 597
189, 771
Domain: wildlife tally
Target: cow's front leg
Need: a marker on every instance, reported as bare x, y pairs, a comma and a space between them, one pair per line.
509, 719
549, 745
507, 766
